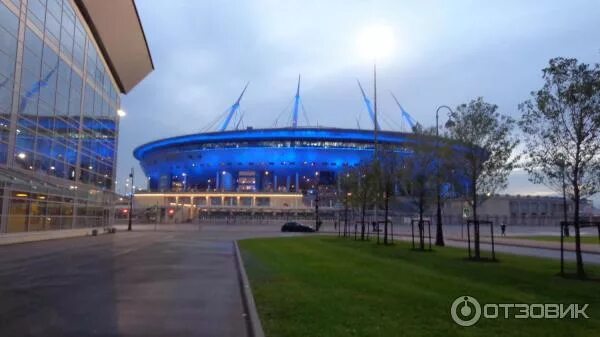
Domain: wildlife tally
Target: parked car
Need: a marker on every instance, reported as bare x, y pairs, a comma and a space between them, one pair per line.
296, 227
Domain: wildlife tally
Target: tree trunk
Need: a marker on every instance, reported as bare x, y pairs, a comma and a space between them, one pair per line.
475, 225
421, 227
580, 271
385, 228
564, 196
362, 225
354, 220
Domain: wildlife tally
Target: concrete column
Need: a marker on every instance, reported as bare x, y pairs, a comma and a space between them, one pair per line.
217, 181
297, 182
6, 194
275, 183
288, 182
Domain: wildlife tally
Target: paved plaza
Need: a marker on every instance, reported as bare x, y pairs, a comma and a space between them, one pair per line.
144, 283
176, 280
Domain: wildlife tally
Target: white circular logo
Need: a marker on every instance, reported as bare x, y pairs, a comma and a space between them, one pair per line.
465, 311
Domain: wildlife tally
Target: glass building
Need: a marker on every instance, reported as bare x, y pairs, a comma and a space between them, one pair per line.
63, 66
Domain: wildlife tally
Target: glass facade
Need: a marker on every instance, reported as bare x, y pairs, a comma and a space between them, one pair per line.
58, 119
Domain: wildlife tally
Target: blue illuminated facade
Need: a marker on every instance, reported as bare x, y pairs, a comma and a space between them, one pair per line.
283, 159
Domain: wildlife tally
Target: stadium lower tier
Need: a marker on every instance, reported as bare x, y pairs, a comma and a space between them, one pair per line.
254, 169
266, 160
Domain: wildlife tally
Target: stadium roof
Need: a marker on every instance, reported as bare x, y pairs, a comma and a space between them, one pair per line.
312, 133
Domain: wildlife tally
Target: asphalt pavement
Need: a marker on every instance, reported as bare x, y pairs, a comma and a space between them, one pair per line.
128, 284
169, 280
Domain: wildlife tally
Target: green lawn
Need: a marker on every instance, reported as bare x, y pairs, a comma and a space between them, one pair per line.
327, 286
584, 239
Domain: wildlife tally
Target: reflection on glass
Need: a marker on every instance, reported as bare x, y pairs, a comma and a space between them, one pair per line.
65, 117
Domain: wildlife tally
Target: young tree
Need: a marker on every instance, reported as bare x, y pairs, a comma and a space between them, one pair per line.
445, 184
391, 171
486, 157
350, 184
419, 181
561, 126
362, 185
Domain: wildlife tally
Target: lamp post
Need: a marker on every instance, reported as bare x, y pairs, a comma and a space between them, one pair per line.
375, 42
317, 219
348, 195
131, 200
439, 235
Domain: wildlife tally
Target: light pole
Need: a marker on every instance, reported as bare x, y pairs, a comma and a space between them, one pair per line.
439, 235
317, 220
375, 42
131, 200
348, 195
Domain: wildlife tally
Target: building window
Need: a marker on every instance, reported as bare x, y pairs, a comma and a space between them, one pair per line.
263, 201
215, 201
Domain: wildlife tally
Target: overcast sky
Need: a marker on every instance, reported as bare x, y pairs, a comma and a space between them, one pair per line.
443, 52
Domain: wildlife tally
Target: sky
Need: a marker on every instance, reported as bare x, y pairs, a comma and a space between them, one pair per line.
441, 52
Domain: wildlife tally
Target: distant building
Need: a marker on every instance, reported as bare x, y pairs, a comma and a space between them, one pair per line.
516, 210
63, 66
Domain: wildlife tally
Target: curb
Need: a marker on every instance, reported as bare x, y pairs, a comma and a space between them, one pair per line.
252, 319
527, 245
29, 237
513, 244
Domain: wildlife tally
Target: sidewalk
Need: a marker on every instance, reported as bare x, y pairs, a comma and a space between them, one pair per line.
129, 284
23, 237
520, 242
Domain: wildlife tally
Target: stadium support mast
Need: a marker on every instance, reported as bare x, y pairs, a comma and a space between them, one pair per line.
368, 104
414, 125
296, 104
233, 109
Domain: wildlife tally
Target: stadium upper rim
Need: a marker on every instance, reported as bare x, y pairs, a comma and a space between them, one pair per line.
280, 134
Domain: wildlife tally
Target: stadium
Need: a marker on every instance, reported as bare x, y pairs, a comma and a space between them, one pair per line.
270, 169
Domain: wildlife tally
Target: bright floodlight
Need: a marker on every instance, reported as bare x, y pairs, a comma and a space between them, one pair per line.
375, 42
121, 113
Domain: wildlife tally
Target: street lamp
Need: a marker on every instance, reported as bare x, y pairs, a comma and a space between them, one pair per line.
317, 220
131, 200
439, 236
348, 195
121, 113
375, 42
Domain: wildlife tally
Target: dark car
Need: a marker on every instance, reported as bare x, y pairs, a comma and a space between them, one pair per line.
296, 227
